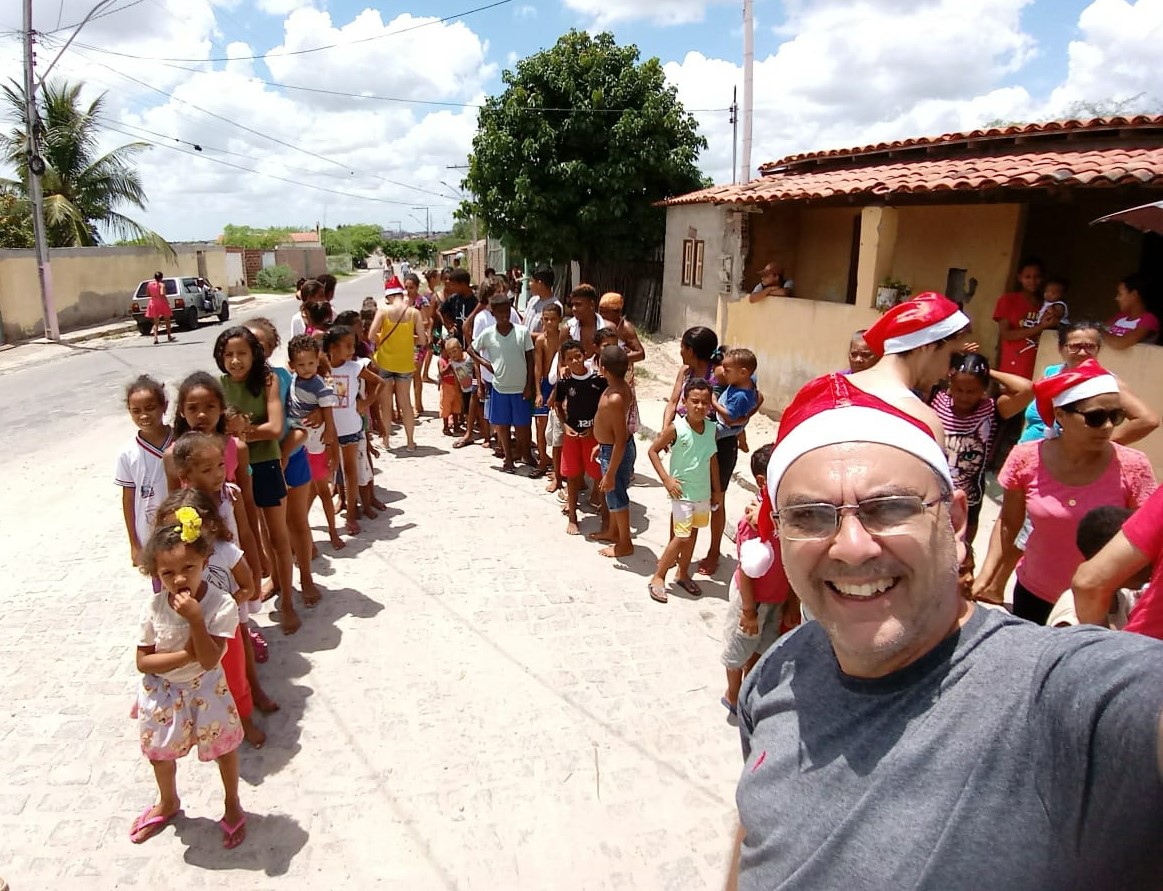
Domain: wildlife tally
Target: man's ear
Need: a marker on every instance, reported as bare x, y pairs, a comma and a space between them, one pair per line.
959, 516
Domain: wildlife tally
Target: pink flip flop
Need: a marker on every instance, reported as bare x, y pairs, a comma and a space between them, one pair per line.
230, 834
148, 825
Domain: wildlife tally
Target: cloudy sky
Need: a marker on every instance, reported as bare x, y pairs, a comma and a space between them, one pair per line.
393, 93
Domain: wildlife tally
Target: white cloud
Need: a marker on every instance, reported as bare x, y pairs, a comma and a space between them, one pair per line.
661, 12
281, 7
1117, 57
525, 12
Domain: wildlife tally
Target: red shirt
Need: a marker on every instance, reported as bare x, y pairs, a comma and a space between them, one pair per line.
1145, 531
1017, 356
774, 586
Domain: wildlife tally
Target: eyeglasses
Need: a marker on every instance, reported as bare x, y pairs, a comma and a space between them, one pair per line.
883, 517
1077, 348
1097, 417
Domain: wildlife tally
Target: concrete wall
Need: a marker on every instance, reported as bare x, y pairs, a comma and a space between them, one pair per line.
794, 340
684, 306
307, 261
90, 285
1140, 368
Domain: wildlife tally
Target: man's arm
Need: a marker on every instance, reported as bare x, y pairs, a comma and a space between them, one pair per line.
635, 352
1096, 579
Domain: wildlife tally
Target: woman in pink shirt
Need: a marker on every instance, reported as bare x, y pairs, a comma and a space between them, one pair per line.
1133, 324
1056, 481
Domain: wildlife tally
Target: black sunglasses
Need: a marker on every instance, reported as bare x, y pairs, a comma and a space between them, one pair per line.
1097, 417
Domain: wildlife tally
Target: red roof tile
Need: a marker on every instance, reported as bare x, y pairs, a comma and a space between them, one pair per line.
304, 238
1100, 152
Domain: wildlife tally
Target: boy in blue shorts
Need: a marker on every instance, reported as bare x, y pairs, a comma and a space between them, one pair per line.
506, 350
693, 485
616, 452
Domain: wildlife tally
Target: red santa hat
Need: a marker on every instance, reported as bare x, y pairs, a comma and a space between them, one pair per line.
393, 287
827, 411
1072, 385
926, 318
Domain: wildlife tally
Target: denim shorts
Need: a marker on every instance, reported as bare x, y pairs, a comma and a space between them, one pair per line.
396, 375
350, 438
618, 498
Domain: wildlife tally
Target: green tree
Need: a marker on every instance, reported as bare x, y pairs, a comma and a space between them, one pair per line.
357, 239
570, 159
258, 239
83, 190
15, 218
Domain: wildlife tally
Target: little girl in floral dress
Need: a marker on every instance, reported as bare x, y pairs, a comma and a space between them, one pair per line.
184, 700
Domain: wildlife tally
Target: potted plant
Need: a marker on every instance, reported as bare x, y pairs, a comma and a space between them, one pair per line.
891, 292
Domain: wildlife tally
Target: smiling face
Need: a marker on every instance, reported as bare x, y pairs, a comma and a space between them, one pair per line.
146, 410
205, 471
884, 601
202, 408
698, 405
180, 569
575, 360
238, 358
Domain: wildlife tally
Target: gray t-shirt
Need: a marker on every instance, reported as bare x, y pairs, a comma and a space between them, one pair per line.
1010, 757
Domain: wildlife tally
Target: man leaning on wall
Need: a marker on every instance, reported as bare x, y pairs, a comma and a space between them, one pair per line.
772, 283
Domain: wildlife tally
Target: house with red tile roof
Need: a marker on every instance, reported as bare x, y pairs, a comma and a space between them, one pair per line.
952, 213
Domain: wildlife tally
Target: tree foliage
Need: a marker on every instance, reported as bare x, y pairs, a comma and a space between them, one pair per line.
357, 239
569, 160
416, 250
257, 239
83, 189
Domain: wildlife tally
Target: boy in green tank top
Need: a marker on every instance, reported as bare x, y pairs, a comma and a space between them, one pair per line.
693, 484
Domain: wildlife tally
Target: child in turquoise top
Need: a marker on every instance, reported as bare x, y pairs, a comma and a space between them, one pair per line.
693, 484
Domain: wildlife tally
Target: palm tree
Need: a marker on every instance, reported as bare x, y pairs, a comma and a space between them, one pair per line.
82, 190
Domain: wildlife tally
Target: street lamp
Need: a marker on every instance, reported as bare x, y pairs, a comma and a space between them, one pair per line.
36, 165
428, 220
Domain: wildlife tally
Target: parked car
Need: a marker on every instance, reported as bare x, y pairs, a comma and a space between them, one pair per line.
191, 300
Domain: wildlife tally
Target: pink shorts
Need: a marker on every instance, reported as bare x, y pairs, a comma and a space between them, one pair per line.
319, 468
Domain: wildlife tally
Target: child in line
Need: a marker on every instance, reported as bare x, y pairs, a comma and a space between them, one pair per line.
1095, 532
455, 371
346, 374
308, 291
201, 407
575, 400
616, 452
546, 345
228, 571
318, 315
296, 467
184, 699
256, 393
140, 471
760, 609
505, 350
734, 399
309, 394
692, 483
364, 355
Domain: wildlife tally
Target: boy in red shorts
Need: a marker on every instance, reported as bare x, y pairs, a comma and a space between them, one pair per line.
575, 399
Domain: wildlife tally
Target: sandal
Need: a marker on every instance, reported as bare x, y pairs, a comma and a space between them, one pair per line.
690, 587
657, 593
146, 827
233, 836
260, 645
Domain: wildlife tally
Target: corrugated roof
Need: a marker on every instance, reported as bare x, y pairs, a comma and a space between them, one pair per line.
1101, 152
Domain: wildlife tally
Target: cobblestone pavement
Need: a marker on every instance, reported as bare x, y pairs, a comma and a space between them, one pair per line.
479, 702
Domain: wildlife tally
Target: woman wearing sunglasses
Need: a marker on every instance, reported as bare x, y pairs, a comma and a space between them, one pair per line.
1057, 481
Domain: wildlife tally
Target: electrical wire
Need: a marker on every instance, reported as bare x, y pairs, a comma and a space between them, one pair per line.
282, 179
316, 49
99, 15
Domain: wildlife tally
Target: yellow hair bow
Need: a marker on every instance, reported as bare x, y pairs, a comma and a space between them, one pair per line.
190, 524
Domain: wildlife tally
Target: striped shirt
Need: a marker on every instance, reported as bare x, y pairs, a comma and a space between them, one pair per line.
968, 441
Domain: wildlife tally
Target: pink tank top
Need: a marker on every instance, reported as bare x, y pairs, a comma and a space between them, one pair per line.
230, 457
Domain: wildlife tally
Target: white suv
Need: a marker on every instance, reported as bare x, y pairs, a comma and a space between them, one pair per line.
191, 300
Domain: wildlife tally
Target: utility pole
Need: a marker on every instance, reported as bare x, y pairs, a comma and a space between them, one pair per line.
35, 169
427, 220
748, 77
734, 135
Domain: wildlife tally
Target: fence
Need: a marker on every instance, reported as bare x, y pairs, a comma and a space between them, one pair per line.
640, 285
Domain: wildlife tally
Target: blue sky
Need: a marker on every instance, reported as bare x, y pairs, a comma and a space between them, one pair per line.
828, 73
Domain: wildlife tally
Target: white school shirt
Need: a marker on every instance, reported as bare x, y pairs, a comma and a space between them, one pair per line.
298, 325
483, 322
345, 383
140, 467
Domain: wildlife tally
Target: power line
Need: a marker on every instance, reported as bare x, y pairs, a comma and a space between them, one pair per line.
312, 49
100, 15
260, 172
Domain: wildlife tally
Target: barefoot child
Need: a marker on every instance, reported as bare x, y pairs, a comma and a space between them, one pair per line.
576, 402
228, 571
184, 700
140, 471
616, 452
505, 350
693, 485
456, 372
309, 394
546, 345
346, 374
759, 608
251, 389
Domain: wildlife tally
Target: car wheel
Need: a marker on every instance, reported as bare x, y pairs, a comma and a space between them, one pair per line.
224, 312
145, 326
192, 318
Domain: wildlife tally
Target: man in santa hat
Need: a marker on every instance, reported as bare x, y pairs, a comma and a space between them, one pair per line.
915, 342
908, 738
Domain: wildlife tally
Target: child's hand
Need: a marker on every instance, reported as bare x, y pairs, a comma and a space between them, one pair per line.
315, 419
134, 554
749, 624
186, 605
607, 482
569, 431
539, 402
673, 487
